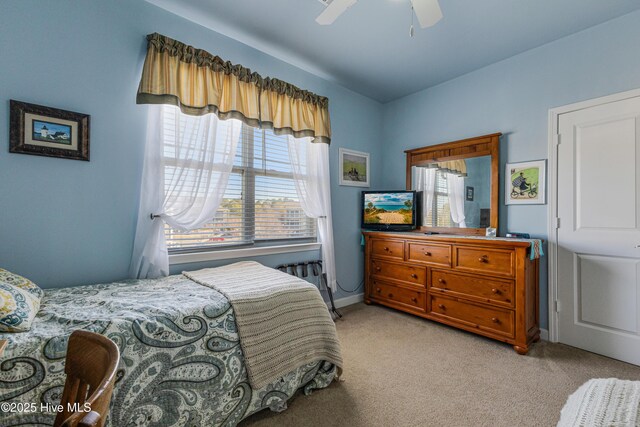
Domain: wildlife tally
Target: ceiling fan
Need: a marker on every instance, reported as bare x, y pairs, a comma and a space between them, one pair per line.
428, 12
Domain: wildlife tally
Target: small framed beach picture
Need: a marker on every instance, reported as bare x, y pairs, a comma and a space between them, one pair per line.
525, 183
46, 131
354, 168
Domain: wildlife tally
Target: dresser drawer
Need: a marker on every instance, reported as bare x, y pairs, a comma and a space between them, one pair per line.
490, 261
405, 273
429, 253
494, 291
383, 291
387, 248
490, 319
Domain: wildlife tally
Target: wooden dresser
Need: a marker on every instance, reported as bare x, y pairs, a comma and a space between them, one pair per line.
482, 285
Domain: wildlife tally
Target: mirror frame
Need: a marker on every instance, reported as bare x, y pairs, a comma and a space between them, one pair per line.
486, 145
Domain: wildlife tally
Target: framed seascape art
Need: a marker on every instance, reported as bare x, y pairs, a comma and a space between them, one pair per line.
525, 183
354, 168
45, 131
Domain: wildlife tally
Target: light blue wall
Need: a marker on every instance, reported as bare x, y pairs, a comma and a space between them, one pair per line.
65, 222
514, 97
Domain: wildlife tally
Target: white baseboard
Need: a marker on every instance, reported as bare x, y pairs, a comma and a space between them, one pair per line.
353, 299
544, 334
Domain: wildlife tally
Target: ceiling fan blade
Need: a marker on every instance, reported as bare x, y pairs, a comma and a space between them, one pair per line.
427, 11
334, 10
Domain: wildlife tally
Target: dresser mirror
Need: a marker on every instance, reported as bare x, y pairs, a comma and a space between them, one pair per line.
459, 184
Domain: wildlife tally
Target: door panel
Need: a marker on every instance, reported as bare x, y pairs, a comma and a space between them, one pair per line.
605, 178
607, 292
598, 261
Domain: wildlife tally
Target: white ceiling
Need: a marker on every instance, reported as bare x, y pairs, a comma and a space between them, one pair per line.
368, 49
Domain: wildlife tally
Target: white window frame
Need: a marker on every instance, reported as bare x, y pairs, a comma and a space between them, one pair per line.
256, 248
221, 254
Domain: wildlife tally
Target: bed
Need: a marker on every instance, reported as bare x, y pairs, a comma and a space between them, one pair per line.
181, 361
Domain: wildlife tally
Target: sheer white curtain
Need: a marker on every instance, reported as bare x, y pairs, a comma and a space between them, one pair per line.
310, 166
188, 160
455, 188
425, 181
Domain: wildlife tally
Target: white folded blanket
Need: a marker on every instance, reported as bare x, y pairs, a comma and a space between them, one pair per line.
602, 402
282, 321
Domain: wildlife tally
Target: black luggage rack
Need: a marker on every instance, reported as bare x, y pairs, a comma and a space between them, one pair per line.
316, 270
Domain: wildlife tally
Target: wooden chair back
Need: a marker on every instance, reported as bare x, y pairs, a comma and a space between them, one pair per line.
91, 364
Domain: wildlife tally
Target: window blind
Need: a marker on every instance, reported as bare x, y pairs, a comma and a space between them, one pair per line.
260, 203
441, 210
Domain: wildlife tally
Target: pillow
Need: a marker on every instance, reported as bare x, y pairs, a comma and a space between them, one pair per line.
17, 308
12, 279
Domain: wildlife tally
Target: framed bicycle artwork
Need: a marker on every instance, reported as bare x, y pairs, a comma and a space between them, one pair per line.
525, 183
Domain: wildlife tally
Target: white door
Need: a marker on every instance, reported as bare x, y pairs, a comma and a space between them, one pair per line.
598, 270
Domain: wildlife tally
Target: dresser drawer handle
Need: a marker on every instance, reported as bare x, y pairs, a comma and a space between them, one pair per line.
495, 320
414, 275
441, 306
378, 290
427, 253
378, 268
386, 249
442, 281
414, 299
496, 291
483, 258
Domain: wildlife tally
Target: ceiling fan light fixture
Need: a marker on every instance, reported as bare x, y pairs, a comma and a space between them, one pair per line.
334, 10
428, 12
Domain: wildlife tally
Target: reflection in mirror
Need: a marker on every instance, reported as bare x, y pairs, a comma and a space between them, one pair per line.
455, 193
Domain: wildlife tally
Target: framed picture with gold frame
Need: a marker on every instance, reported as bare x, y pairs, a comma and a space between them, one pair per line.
45, 131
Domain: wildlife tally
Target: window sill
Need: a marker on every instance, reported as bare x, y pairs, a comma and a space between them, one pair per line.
186, 258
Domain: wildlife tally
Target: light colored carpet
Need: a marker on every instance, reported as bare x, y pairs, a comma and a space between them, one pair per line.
401, 370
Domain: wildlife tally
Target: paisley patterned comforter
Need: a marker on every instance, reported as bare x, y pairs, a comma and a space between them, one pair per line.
181, 363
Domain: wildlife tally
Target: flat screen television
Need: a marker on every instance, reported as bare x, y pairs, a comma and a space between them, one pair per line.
389, 210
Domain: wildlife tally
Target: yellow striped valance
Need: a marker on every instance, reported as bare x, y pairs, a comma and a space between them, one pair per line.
456, 167
201, 83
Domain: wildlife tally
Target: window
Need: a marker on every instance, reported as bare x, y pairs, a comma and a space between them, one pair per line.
441, 210
260, 204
